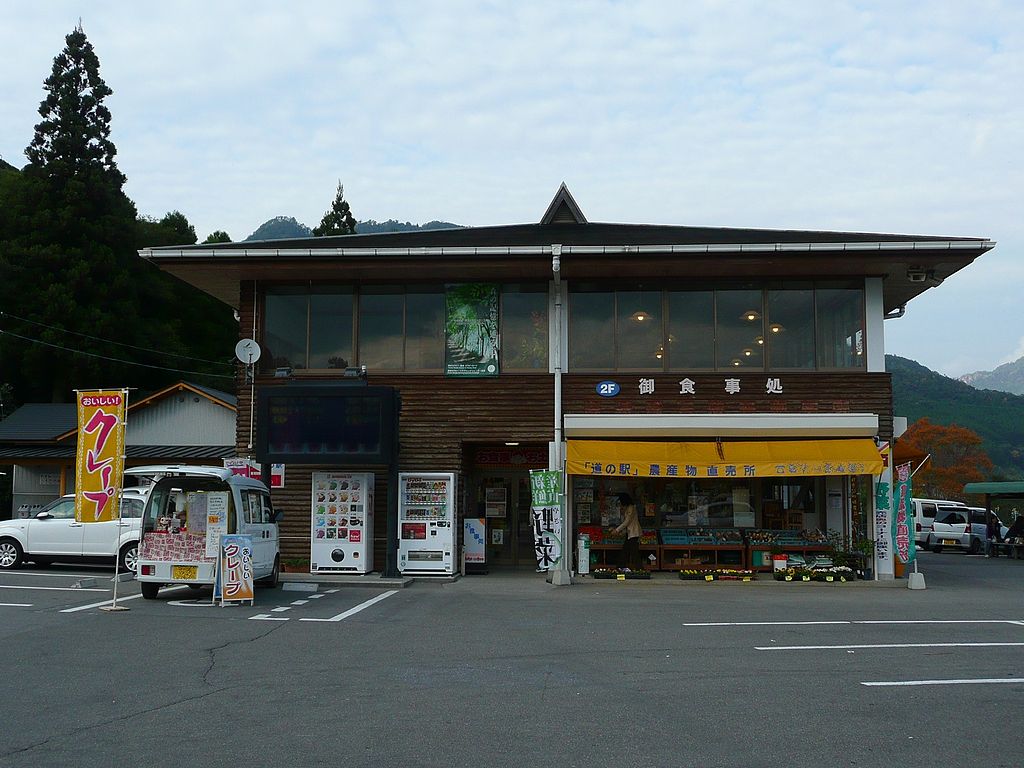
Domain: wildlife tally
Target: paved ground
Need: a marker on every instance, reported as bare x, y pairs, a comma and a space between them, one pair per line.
506, 670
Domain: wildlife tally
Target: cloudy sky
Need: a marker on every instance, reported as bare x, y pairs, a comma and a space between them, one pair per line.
808, 115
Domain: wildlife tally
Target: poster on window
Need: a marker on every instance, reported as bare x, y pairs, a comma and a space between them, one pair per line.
471, 330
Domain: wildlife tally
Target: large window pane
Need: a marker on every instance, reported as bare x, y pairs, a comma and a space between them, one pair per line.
840, 318
380, 329
330, 330
284, 329
691, 330
639, 341
739, 329
790, 327
591, 330
524, 329
424, 330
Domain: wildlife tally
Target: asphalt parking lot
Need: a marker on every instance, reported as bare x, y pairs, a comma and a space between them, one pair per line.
505, 669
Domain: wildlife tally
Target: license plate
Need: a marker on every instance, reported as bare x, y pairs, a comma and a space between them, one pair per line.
184, 572
951, 542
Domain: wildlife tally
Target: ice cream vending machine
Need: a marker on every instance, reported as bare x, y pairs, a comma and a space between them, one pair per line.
426, 523
341, 530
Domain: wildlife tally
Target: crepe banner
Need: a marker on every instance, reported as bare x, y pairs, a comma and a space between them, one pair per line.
99, 460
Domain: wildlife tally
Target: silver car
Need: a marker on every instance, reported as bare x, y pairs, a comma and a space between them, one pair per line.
961, 528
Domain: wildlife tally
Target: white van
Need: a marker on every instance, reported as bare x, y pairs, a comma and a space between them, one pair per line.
177, 548
924, 517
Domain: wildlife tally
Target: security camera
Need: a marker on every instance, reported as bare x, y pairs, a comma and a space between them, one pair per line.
917, 275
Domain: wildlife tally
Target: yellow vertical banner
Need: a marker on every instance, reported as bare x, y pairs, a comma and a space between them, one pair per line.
99, 462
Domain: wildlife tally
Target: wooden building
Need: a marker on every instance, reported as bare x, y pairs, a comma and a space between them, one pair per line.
625, 353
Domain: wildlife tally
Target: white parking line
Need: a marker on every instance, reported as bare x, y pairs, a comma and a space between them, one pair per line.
984, 680
281, 609
881, 645
358, 608
56, 589
15, 605
858, 621
299, 602
33, 574
108, 602
268, 617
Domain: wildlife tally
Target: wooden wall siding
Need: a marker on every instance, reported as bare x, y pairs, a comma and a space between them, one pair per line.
439, 418
801, 393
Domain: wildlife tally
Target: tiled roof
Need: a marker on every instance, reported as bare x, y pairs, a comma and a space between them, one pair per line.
38, 422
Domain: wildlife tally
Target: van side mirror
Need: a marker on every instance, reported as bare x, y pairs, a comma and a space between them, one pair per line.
278, 515
43, 516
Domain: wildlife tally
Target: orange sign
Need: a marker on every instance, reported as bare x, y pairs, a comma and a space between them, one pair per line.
99, 465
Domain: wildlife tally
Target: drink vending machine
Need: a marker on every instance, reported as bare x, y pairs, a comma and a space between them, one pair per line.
341, 531
426, 523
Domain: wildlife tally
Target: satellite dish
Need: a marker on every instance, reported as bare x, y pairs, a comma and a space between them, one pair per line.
248, 351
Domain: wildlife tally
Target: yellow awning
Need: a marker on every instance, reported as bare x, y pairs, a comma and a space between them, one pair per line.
766, 458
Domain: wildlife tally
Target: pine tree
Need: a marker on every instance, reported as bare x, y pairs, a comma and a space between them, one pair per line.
73, 138
339, 220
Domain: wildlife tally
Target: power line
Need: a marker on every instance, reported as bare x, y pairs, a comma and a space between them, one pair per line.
111, 359
111, 341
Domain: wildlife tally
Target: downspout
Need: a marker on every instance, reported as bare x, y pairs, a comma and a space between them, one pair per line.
561, 576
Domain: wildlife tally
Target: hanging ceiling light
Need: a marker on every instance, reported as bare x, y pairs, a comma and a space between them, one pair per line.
759, 340
776, 328
751, 315
640, 316
748, 352
737, 361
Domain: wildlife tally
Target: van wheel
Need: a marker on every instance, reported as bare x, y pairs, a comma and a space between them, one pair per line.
275, 575
975, 547
936, 548
150, 589
10, 554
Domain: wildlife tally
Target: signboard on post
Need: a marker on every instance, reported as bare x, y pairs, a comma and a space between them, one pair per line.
99, 461
546, 509
234, 582
883, 523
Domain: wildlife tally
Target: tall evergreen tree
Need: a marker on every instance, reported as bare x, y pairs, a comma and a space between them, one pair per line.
71, 278
339, 220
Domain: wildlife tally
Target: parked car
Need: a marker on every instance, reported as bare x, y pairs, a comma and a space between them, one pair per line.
924, 516
52, 534
960, 528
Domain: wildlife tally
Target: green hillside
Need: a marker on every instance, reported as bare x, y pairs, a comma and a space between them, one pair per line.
997, 416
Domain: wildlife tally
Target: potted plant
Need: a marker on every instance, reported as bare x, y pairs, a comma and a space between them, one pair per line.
295, 564
779, 558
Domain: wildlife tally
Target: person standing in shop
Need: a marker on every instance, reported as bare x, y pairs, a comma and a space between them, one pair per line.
631, 526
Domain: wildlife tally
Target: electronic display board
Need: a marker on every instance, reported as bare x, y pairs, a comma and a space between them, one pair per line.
340, 425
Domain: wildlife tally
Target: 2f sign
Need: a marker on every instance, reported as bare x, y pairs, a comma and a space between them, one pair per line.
608, 389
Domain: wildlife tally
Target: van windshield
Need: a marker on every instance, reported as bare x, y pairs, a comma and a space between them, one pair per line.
180, 505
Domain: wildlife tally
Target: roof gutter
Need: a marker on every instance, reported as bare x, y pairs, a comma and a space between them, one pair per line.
566, 250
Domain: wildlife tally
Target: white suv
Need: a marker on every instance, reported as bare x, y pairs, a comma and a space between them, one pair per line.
52, 534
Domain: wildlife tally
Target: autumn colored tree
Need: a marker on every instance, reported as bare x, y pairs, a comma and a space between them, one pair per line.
957, 458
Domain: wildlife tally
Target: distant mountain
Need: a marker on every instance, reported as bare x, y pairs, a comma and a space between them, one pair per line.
371, 227
280, 228
283, 227
1006, 378
998, 417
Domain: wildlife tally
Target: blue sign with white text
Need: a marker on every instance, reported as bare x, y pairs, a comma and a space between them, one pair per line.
608, 389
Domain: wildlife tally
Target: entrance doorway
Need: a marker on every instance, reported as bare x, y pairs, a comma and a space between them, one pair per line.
503, 498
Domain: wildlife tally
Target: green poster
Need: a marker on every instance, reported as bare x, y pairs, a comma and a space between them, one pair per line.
471, 330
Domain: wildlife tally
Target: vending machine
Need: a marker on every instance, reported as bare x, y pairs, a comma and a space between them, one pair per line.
341, 529
426, 523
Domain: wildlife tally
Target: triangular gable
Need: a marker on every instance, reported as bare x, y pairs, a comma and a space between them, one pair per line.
563, 209
214, 396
